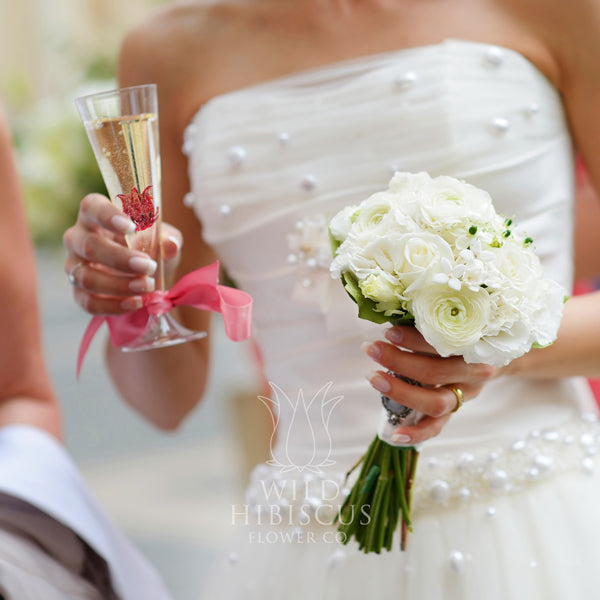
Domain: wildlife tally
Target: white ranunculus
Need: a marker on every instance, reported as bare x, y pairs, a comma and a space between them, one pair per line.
450, 321
341, 223
371, 212
403, 182
447, 202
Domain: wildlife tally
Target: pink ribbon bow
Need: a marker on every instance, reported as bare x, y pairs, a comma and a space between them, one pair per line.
199, 289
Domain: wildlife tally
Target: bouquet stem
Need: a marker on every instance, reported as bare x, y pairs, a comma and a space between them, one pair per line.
380, 498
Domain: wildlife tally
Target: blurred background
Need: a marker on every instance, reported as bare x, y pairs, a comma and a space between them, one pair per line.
170, 492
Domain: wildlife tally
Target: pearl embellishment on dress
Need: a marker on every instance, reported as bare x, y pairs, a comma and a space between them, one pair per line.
236, 156
188, 200
456, 561
188, 139
336, 558
588, 466
405, 81
464, 493
308, 183
499, 126
493, 57
440, 491
498, 481
532, 110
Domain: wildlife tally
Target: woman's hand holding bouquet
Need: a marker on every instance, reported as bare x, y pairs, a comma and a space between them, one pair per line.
432, 253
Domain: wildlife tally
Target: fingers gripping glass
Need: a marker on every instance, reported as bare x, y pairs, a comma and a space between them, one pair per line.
122, 126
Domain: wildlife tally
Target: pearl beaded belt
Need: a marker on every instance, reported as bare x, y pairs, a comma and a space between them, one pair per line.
447, 480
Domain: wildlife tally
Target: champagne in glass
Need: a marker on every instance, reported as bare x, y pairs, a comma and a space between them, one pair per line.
122, 126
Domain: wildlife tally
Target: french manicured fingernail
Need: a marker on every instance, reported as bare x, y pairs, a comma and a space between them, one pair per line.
379, 382
143, 265
142, 285
132, 303
400, 438
175, 241
122, 224
372, 350
394, 335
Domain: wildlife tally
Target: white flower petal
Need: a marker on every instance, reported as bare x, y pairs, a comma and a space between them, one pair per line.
440, 278
454, 284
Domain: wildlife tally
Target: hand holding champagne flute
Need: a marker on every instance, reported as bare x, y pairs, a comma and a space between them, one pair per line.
122, 126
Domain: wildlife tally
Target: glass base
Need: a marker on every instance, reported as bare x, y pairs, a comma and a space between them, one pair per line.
162, 331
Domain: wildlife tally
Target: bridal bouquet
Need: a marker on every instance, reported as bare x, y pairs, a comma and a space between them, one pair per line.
433, 253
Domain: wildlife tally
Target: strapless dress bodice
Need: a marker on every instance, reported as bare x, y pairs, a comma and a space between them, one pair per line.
271, 163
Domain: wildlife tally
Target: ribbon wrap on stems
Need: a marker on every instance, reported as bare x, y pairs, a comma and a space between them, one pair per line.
199, 289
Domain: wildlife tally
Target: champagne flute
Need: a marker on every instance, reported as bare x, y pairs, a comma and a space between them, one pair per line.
122, 126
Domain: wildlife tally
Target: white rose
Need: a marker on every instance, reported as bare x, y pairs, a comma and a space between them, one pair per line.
410, 256
380, 287
450, 321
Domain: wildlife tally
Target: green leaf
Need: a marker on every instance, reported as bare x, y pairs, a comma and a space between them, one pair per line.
366, 306
371, 480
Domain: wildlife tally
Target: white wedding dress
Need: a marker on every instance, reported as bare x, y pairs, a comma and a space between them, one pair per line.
507, 500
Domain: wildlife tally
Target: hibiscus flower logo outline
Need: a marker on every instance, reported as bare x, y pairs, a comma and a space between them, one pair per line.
301, 408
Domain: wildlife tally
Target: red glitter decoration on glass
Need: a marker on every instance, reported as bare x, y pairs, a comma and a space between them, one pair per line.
140, 208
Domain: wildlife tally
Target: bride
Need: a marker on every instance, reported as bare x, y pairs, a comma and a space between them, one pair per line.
274, 116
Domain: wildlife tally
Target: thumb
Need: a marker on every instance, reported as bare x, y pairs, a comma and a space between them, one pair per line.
171, 241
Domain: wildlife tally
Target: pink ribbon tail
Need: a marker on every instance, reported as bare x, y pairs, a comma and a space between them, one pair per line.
88, 336
199, 289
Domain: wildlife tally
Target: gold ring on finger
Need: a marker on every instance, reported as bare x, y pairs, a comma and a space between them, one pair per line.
459, 395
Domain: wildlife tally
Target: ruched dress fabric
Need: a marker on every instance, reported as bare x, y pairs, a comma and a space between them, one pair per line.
507, 498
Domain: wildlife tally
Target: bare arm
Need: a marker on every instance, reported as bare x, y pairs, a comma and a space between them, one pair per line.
165, 384
587, 257
576, 31
26, 395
